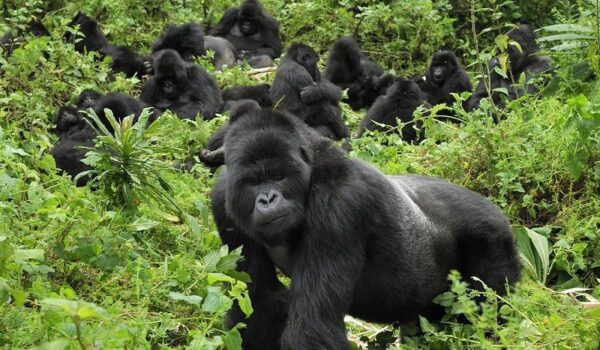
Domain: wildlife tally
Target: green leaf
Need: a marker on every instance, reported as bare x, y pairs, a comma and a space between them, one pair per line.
143, 224
59, 344
426, 326
233, 340
190, 299
28, 254
216, 301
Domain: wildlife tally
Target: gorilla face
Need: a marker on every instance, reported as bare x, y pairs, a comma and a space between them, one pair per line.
249, 18
171, 73
268, 176
443, 65
521, 44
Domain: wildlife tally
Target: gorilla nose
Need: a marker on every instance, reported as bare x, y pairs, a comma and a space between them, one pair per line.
267, 201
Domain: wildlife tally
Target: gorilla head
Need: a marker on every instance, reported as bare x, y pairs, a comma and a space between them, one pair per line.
250, 17
170, 73
270, 174
306, 57
443, 65
521, 44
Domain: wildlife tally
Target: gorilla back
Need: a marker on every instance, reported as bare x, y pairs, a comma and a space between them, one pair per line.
352, 240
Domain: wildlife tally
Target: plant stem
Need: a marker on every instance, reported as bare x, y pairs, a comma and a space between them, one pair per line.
78, 330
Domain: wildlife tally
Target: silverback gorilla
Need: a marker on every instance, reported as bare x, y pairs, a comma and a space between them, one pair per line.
252, 31
352, 240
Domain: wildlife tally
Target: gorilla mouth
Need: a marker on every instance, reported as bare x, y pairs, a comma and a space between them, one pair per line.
275, 220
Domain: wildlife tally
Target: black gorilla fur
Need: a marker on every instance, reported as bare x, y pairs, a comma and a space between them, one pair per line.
258, 93
444, 77
299, 89
349, 68
399, 102
252, 31
126, 60
524, 60
9, 42
75, 133
187, 40
184, 88
69, 119
93, 38
352, 240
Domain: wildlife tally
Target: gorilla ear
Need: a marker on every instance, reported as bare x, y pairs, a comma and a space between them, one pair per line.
241, 108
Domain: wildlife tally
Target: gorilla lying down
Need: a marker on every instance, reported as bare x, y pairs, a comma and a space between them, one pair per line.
352, 240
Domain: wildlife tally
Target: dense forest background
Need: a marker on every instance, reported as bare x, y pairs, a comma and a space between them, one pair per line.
95, 269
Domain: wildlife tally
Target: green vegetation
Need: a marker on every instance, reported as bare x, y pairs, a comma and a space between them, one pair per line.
133, 261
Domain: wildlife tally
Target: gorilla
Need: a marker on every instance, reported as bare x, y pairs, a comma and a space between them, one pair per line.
70, 149
252, 31
93, 38
352, 240
225, 54
126, 60
523, 58
349, 68
444, 77
9, 42
187, 40
69, 119
299, 89
400, 102
184, 88
259, 93
212, 155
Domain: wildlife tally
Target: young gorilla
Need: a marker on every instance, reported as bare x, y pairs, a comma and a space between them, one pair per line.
522, 59
349, 68
182, 87
69, 119
187, 40
299, 89
400, 102
252, 31
68, 153
444, 77
93, 38
352, 240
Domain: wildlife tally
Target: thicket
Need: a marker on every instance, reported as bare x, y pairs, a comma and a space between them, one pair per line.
94, 268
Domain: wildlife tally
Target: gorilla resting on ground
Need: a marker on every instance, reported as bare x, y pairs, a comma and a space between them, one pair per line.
187, 40
69, 119
352, 240
252, 31
225, 54
126, 60
68, 153
444, 77
522, 59
400, 102
93, 38
299, 89
9, 42
184, 88
258, 93
349, 68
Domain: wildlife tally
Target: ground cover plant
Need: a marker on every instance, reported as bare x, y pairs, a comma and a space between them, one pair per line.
133, 260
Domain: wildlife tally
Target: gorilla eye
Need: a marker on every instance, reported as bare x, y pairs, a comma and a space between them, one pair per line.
445, 62
278, 177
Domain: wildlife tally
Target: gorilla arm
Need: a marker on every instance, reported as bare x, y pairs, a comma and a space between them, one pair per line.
270, 38
327, 265
322, 90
